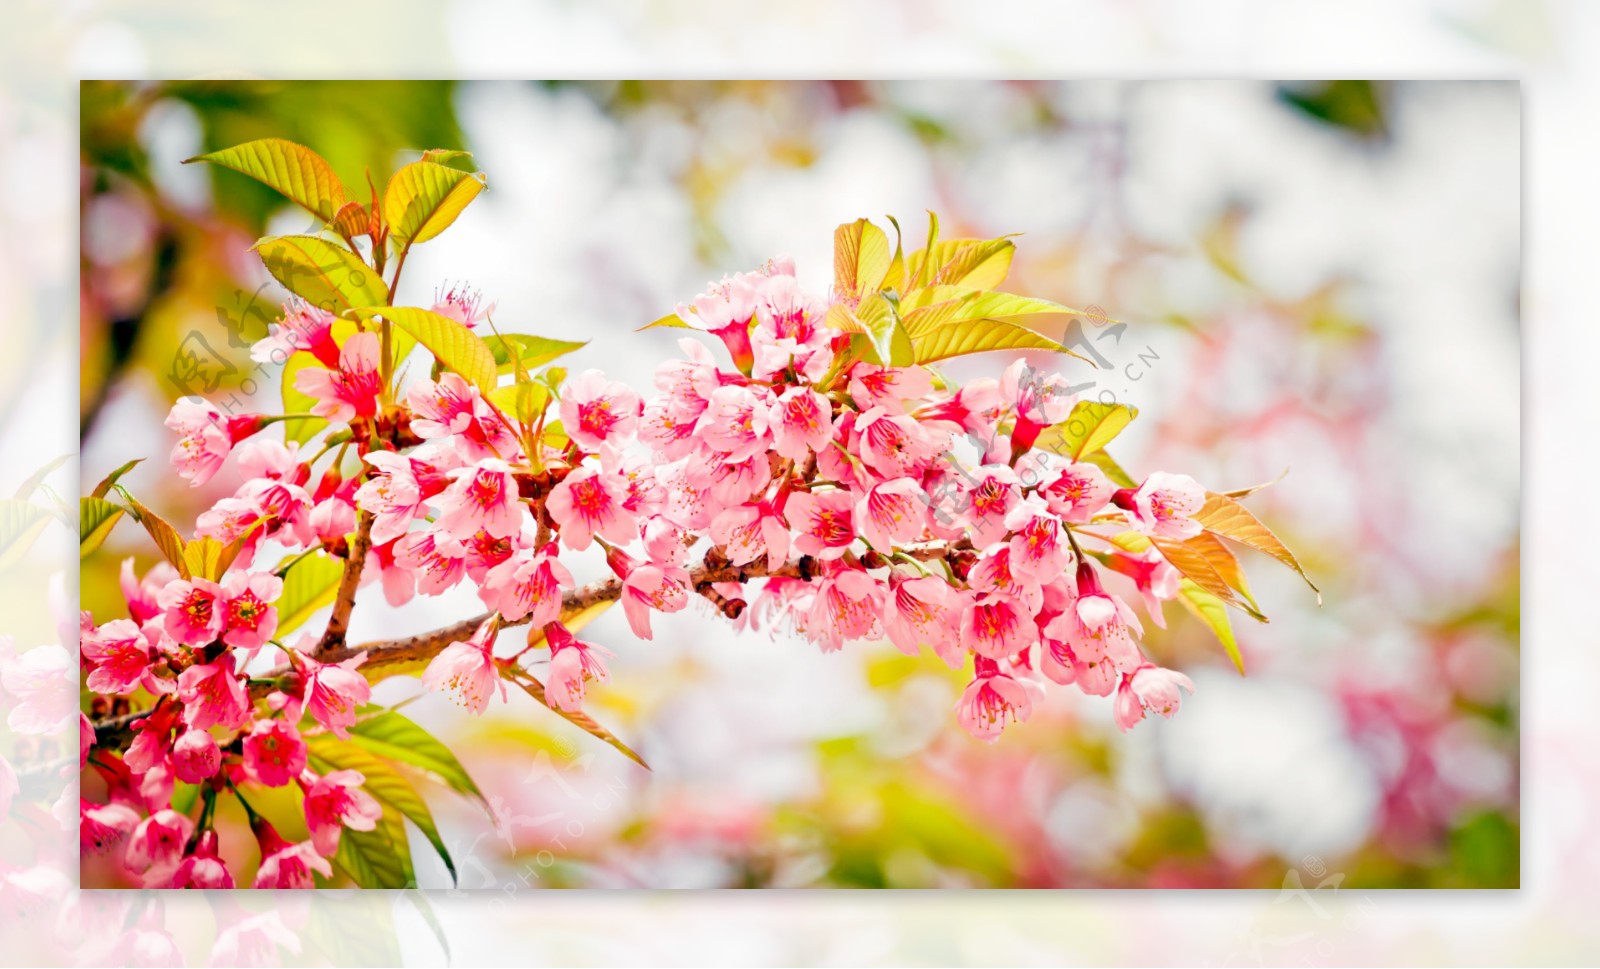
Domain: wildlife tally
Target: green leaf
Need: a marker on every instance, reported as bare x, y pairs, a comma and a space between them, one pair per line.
1224, 516
1113, 470
1089, 428
393, 736
310, 584
20, 525
322, 273
972, 263
532, 351
531, 685
380, 858
671, 320
295, 171
452, 344
936, 306
522, 402
386, 785
96, 518
979, 336
424, 197
861, 259
166, 537
1210, 610
875, 319
300, 429
104, 487
37, 478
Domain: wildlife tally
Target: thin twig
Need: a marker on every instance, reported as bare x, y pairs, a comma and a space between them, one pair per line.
355, 561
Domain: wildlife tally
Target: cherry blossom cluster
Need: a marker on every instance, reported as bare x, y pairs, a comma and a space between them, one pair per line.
791, 483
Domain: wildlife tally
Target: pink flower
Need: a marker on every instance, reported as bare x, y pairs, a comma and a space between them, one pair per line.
1155, 578
42, 685
157, 844
750, 532
203, 868
822, 522
195, 756
801, 421
481, 498
976, 408
193, 611
991, 494
213, 695
848, 605
1164, 505
663, 588
249, 620
736, 423
452, 408
303, 327
464, 306
1039, 549
329, 692
996, 626
1150, 689
120, 656
206, 437
668, 543
141, 594
725, 311
102, 827
923, 615
993, 572
393, 493
596, 411
285, 865
527, 585
467, 671
573, 663
436, 567
334, 802
589, 502
1040, 399
351, 390
892, 513
1078, 493
1100, 629
888, 387
895, 446
274, 752
992, 698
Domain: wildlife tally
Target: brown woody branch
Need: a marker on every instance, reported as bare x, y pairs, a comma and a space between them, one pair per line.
349, 582
425, 646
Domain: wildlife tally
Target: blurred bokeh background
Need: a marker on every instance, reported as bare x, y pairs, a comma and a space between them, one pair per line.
1319, 277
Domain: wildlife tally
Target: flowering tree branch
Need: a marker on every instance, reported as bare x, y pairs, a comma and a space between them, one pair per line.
882, 501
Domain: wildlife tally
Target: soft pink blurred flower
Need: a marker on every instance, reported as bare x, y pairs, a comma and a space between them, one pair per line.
467, 671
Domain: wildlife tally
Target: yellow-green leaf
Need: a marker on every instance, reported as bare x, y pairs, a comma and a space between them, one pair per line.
875, 319
96, 518
391, 735
532, 351
1224, 516
979, 336
936, 306
165, 536
295, 171
453, 345
973, 263
861, 259
20, 526
424, 197
310, 584
386, 784
104, 487
671, 320
380, 858
1210, 610
1113, 470
522, 402
1089, 428
322, 273
300, 429
531, 685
